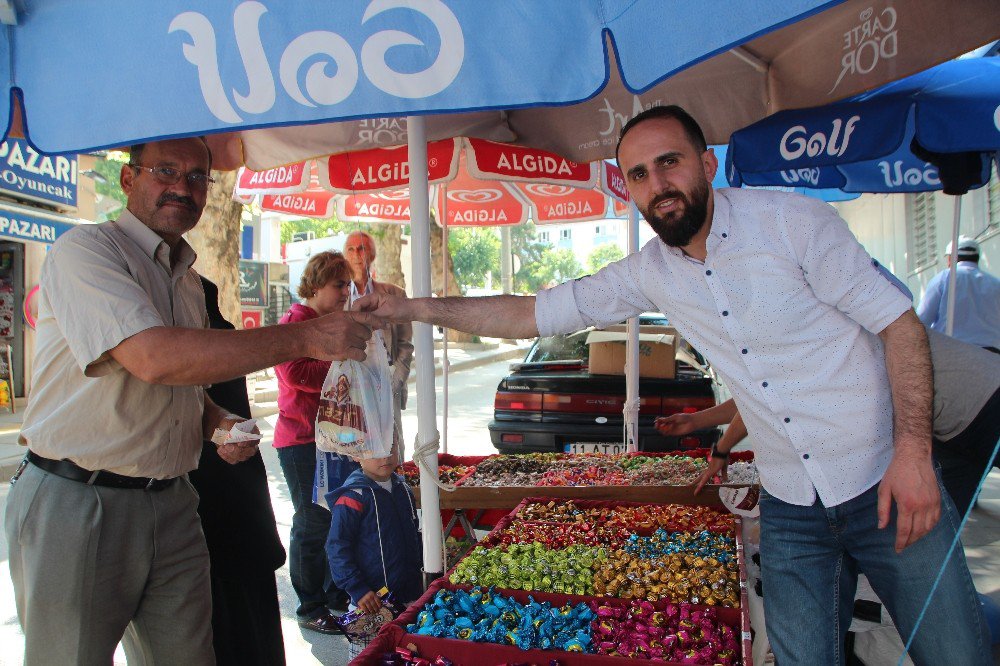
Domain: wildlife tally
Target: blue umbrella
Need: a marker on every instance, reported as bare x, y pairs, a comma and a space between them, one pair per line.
831, 194
930, 131
561, 75
936, 130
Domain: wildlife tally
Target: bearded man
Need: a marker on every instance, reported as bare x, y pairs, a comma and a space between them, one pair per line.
828, 365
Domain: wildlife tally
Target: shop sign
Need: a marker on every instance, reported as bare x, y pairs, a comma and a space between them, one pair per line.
27, 173
253, 283
24, 226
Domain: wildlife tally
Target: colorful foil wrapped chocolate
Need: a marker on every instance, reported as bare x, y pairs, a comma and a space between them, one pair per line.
532, 567
483, 616
641, 632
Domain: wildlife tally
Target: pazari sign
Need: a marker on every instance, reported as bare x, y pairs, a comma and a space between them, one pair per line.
27, 173
23, 225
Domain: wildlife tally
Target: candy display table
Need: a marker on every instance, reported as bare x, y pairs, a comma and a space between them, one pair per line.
591, 582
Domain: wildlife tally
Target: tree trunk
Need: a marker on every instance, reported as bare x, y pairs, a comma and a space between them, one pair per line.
388, 267
438, 249
216, 240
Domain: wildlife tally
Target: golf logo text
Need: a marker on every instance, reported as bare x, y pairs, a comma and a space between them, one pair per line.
794, 142
319, 51
798, 176
896, 176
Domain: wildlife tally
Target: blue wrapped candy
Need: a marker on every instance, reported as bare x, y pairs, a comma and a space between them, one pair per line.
483, 616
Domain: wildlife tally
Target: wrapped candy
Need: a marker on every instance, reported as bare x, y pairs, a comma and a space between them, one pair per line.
530, 567
640, 632
677, 577
528, 626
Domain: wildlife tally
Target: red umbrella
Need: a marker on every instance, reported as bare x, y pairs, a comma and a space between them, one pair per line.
480, 183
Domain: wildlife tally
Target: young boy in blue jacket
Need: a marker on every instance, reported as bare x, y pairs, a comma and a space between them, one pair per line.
373, 540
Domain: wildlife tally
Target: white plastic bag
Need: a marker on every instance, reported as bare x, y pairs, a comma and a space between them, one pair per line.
355, 415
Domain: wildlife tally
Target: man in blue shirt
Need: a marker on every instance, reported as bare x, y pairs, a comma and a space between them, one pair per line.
977, 300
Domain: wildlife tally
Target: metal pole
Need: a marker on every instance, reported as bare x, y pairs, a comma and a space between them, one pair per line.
953, 271
423, 345
632, 351
506, 261
445, 362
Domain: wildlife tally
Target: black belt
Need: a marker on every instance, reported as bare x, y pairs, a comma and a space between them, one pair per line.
74, 472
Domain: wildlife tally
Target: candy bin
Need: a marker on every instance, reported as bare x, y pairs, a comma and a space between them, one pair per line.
471, 626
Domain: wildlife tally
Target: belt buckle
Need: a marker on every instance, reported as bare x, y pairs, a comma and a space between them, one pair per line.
152, 482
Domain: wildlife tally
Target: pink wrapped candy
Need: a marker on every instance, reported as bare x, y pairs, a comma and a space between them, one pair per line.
677, 633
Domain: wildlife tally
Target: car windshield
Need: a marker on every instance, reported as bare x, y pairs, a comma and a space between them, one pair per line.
574, 346
559, 348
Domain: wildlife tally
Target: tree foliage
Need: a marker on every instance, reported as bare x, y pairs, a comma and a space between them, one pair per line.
561, 265
475, 252
320, 228
541, 264
109, 167
602, 255
531, 254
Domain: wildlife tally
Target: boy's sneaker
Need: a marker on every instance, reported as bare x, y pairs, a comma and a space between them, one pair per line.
327, 623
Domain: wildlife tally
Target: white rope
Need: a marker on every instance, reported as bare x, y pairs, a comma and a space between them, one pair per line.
420, 453
378, 526
630, 412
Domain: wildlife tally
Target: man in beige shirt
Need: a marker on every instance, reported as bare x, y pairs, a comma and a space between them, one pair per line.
102, 521
359, 249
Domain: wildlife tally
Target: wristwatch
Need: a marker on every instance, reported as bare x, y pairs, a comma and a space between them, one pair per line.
721, 455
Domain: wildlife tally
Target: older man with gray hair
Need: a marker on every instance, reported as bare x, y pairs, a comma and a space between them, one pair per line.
360, 252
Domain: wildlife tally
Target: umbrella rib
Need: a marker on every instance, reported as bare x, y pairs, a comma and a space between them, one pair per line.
749, 58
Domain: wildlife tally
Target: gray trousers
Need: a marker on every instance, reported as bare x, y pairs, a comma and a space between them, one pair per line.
88, 560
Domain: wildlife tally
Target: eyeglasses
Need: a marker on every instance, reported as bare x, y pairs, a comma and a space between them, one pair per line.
171, 176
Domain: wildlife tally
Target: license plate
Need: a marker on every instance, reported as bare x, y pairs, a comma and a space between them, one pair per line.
594, 447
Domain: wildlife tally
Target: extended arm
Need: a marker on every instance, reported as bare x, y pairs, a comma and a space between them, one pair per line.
910, 480
187, 356
492, 316
683, 424
717, 465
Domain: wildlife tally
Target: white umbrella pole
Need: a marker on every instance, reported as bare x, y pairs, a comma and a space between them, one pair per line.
425, 451
953, 271
506, 261
445, 362
632, 352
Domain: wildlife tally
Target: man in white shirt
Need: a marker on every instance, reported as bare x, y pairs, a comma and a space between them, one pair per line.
828, 365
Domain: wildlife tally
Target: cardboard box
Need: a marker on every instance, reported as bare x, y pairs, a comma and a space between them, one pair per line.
657, 351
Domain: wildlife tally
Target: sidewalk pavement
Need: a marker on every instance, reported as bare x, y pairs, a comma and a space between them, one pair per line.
461, 356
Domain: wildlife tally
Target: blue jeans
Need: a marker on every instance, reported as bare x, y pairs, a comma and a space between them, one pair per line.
810, 559
307, 563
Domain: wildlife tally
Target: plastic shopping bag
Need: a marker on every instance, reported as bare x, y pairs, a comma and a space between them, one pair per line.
355, 415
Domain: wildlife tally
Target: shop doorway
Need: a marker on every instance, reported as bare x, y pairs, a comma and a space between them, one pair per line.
11, 298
